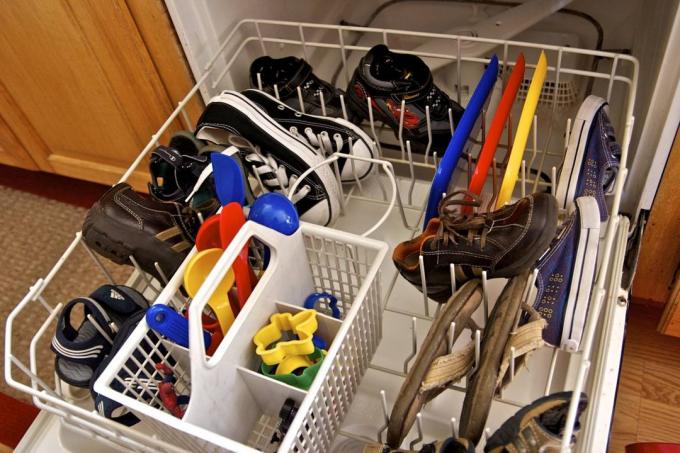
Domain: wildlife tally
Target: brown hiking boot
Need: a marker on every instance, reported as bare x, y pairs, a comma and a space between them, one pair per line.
123, 223
504, 242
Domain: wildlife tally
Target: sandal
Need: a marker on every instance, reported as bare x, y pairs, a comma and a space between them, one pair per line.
428, 366
80, 350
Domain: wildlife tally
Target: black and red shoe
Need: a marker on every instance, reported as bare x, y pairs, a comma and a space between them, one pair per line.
387, 78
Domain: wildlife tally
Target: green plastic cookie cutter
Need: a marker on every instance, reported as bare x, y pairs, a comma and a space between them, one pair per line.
302, 381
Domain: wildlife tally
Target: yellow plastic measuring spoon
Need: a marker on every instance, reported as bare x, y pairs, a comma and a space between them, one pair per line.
523, 128
195, 274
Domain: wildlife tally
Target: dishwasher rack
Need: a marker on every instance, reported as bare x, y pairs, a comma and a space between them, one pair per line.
367, 208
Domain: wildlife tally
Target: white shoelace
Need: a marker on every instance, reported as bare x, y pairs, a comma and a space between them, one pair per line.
280, 182
321, 141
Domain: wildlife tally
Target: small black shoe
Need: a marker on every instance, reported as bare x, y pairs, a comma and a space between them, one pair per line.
288, 74
388, 78
272, 154
122, 224
325, 134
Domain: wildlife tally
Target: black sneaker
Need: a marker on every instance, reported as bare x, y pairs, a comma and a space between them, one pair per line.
327, 135
123, 223
288, 74
272, 154
387, 78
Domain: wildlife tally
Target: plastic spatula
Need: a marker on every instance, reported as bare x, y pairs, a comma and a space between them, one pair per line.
231, 221
228, 179
447, 165
522, 134
500, 118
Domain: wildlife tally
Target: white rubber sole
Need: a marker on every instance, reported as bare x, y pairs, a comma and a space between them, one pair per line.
297, 147
573, 158
583, 274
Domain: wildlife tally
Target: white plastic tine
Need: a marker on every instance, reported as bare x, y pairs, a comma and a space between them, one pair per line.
302, 41
451, 121
336, 170
512, 363
414, 344
259, 81
142, 274
553, 182
386, 415
487, 434
164, 278
412, 172
452, 274
524, 178
300, 100
426, 303
485, 297
567, 134
372, 123
458, 79
343, 107
483, 125
322, 101
99, 264
429, 133
534, 144
419, 428
434, 159
469, 168
454, 430
400, 134
276, 92
200, 217
551, 372
354, 169
99, 328
437, 310
451, 337
478, 338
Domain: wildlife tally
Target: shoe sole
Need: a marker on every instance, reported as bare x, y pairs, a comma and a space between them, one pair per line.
458, 309
481, 386
573, 158
582, 275
100, 234
268, 126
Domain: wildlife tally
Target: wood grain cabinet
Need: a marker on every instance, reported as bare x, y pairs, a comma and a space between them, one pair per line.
84, 84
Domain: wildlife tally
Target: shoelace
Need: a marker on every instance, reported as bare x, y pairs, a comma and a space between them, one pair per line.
279, 181
437, 100
456, 226
321, 141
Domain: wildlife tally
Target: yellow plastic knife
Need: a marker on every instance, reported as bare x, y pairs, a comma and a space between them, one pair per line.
523, 128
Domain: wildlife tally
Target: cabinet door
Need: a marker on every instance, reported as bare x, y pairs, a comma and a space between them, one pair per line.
84, 94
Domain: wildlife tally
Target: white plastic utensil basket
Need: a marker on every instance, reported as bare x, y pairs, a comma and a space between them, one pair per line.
228, 395
367, 208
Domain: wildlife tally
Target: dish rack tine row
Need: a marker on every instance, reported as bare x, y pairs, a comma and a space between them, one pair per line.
90, 422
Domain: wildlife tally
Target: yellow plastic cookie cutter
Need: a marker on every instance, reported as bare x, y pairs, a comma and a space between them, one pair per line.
195, 274
302, 324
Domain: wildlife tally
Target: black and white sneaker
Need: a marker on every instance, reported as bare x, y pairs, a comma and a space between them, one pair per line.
327, 135
272, 155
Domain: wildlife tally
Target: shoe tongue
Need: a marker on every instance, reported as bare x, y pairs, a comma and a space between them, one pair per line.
394, 71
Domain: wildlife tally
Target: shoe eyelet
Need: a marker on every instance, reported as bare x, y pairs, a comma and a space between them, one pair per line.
298, 114
281, 107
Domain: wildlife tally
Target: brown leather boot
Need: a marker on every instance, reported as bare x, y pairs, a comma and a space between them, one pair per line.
504, 242
123, 223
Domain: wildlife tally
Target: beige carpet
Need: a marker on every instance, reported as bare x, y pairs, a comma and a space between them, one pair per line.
34, 233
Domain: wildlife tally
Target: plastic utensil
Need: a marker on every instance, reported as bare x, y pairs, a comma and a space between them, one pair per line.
447, 165
208, 236
312, 299
195, 274
231, 221
275, 211
500, 118
228, 179
171, 325
522, 134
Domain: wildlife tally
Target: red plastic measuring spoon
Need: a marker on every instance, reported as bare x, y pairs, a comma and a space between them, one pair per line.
231, 221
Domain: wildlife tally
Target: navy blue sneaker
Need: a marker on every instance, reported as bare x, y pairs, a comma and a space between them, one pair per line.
565, 276
592, 158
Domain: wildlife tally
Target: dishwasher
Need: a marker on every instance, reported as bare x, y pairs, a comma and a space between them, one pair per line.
385, 319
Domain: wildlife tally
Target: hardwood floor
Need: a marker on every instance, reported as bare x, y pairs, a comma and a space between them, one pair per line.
648, 400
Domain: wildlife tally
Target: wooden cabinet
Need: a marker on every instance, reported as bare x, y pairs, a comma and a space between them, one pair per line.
84, 85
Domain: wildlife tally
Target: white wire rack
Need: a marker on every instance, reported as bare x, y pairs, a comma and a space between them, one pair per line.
368, 209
